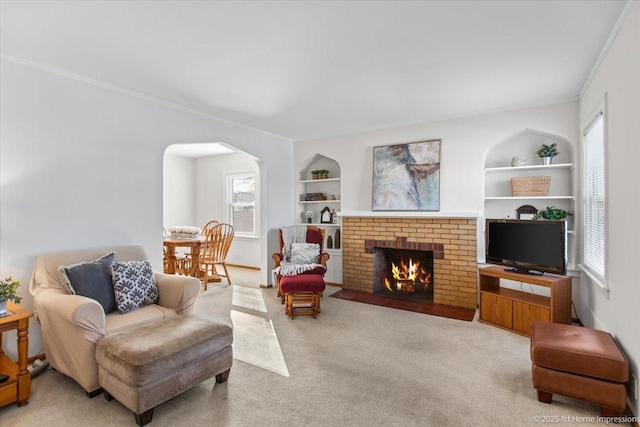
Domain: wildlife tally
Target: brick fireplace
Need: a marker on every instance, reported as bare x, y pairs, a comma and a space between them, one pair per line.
452, 241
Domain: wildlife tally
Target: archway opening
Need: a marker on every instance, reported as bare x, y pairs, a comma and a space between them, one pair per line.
214, 181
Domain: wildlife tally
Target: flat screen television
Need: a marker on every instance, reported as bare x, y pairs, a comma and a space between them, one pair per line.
527, 246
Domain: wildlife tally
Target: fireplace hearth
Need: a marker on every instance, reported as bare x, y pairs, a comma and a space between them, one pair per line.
404, 274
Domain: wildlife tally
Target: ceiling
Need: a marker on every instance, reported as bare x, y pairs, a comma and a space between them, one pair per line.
310, 69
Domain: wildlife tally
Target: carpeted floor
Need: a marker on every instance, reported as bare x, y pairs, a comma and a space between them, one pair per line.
355, 365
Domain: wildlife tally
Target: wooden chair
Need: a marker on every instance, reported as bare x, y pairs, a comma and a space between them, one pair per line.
179, 264
214, 251
183, 265
165, 259
209, 226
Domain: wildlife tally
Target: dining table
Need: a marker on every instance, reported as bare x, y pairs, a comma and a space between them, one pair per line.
192, 243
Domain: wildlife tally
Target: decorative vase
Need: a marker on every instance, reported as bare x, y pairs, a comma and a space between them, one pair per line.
547, 160
3, 307
309, 220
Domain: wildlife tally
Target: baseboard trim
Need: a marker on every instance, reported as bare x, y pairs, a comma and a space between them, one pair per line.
333, 284
249, 267
41, 356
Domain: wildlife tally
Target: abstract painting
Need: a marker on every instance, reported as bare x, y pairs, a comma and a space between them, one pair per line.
406, 177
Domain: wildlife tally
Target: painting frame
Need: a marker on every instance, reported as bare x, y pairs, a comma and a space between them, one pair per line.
406, 176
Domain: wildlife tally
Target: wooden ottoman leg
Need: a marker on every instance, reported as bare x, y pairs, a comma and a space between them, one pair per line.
144, 418
288, 308
94, 393
544, 396
223, 377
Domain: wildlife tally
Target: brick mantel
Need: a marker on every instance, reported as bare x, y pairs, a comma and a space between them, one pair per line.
452, 240
402, 243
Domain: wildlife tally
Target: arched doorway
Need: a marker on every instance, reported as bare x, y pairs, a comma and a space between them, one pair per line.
206, 181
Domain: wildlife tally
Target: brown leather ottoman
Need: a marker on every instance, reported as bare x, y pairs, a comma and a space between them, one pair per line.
578, 362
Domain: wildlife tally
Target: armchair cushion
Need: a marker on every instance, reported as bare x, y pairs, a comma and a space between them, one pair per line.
305, 253
134, 285
93, 280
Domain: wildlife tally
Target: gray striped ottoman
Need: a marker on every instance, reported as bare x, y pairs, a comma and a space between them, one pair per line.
148, 365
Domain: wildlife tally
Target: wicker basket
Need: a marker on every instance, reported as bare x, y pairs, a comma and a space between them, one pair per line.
530, 186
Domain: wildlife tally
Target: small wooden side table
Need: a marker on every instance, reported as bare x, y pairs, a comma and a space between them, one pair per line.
18, 387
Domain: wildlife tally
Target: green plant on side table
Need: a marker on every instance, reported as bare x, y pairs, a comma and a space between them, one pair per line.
548, 152
552, 213
8, 289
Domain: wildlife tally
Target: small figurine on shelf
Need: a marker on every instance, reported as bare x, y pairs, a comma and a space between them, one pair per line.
309, 216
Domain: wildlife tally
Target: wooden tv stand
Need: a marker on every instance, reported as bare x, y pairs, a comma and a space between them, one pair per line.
516, 310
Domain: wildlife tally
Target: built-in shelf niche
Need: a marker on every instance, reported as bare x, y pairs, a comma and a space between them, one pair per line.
331, 187
498, 199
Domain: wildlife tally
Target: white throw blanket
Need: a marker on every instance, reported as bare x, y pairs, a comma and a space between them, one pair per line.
289, 269
292, 234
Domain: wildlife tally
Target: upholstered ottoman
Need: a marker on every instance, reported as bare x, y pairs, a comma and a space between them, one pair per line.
302, 293
148, 365
578, 362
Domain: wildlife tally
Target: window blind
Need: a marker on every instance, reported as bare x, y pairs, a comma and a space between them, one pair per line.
594, 226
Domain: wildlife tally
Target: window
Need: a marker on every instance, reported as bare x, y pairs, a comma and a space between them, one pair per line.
594, 198
241, 203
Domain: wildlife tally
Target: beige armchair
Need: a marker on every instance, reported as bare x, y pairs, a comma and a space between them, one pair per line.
73, 324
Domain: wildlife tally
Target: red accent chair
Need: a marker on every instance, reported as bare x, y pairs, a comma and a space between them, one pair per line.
302, 292
314, 235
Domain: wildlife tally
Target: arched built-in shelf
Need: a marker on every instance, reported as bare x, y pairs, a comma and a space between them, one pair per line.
498, 199
331, 189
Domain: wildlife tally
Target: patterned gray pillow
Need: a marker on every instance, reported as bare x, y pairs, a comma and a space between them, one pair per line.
93, 280
305, 253
134, 285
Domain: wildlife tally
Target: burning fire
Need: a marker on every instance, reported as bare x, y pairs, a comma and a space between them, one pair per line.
406, 275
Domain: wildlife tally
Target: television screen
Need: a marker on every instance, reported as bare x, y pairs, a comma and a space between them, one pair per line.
527, 246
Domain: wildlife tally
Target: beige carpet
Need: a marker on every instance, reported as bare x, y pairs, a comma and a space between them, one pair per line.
355, 365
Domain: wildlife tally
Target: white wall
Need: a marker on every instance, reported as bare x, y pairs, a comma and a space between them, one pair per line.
465, 142
178, 191
619, 76
210, 182
81, 166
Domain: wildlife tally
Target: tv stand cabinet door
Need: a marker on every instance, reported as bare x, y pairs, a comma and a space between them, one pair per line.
496, 310
525, 314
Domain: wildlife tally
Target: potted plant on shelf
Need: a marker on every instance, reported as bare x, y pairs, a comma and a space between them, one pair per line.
548, 152
320, 174
8, 289
552, 213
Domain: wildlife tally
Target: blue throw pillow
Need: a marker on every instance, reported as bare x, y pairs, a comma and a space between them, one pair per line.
134, 285
93, 280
